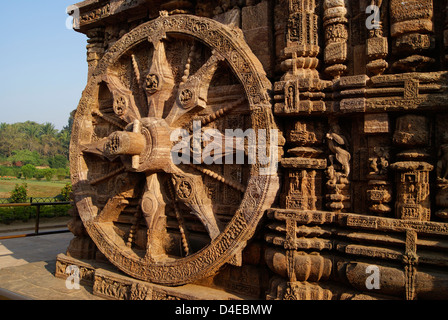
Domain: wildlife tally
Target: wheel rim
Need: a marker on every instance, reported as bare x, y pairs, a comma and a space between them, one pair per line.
111, 176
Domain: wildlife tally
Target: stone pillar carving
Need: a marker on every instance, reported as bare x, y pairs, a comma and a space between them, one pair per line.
379, 192
336, 37
410, 261
300, 87
113, 34
299, 272
412, 30
377, 45
412, 171
304, 170
95, 48
338, 171
413, 202
302, 45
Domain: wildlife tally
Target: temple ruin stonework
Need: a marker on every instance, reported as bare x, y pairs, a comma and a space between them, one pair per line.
352, 97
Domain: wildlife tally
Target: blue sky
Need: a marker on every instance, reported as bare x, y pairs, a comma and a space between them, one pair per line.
43, 68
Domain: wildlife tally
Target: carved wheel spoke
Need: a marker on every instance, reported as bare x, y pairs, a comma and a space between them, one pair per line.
190, 190
153, 208
155, 219
159, 82
193, 90
123, 100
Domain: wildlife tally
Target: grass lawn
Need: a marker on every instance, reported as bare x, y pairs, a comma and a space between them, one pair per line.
36, 188
43, 188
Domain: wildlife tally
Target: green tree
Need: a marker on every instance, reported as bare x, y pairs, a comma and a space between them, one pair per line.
26, 157
28, 171
57, 162
9, 137
61, 173
9, 171
39, 174
19, 194
48, 129
66, 192
48, 174
65, 134
64, 138
32, 132
22, 141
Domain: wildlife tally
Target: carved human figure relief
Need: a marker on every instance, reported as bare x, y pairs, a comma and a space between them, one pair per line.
379, 165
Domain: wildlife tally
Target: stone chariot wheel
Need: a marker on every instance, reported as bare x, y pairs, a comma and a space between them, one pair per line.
147, 196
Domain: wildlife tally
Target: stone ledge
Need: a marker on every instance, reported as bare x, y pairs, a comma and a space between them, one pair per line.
109, 283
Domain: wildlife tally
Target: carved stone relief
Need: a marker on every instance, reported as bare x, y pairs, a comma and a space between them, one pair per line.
363, 162
154, 193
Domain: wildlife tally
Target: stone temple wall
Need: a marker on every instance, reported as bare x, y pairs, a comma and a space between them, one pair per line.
358, 90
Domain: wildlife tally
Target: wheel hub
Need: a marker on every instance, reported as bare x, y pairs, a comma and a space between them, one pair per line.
147, 148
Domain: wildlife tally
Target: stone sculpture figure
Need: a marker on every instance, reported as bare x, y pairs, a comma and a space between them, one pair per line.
338, 145
379, 165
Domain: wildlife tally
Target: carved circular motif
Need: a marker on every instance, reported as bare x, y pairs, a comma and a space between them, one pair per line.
112, 146
184, 190
152, 83
185, 97
159, 198
120, 105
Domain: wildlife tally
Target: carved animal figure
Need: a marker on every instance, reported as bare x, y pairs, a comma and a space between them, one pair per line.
337, 144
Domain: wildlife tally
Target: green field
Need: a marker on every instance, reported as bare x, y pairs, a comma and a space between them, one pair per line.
35, 188
44, 189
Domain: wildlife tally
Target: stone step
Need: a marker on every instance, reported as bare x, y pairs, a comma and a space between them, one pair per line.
109, 283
